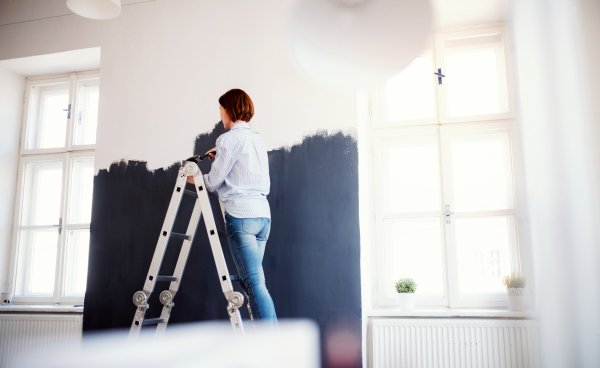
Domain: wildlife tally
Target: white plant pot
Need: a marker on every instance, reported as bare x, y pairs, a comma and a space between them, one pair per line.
407, 301
5, 298
515, 299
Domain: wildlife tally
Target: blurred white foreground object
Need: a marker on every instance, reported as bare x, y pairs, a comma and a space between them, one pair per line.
356, 43
557, 55
95, 9
213, 344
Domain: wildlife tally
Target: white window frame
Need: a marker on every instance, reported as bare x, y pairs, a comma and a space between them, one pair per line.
435, 49
443, 125
502, 60
74, 80
383, 247
66, 154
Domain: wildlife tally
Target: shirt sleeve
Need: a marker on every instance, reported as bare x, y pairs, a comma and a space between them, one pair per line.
224, 161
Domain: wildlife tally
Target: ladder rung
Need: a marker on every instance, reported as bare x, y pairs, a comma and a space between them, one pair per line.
153, 321
190, 193
222, 233
234, 277
180, 236
166, 278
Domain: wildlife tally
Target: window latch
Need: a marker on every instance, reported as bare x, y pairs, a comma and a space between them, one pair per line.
69, 112
59, 226
448, 213
439, 74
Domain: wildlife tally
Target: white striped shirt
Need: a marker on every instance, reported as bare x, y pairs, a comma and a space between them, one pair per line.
240, 173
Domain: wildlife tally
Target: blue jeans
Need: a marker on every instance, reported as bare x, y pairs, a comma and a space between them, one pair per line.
247, 241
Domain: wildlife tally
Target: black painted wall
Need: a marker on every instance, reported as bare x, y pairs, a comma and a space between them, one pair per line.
312, 259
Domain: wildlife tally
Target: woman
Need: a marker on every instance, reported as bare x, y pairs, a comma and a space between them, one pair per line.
240, 174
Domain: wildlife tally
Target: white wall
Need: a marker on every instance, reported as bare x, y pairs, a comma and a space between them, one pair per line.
12, 87
165, 63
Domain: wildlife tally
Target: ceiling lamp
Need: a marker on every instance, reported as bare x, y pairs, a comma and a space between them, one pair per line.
95, 9
358, 43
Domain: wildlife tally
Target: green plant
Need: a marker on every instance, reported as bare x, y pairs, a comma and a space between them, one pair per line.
514, 280
406, 285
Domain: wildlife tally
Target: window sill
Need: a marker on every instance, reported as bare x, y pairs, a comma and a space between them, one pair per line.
452, 312
40, 308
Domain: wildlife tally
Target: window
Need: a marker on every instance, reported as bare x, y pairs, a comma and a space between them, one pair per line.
54, 197
444, 173
476, 83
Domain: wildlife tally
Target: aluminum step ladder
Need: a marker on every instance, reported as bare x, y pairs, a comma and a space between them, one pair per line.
234, 299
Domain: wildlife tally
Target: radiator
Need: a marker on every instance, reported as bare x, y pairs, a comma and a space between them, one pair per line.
454, 343
25, 334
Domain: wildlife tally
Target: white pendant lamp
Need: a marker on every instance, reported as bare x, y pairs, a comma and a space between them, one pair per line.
95, 9
347, 44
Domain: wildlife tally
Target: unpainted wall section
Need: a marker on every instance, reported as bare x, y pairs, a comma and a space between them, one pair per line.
12, 87
166, 62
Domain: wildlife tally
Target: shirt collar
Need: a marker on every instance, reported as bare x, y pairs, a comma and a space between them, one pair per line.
241, 126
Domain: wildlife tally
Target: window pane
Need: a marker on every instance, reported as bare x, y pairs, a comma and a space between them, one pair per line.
409, 94
86, 119
48, 116
82, 183
37, 262
78, 246
417, 253
472, 85
481, 171
42, 193
483, 253
411, 174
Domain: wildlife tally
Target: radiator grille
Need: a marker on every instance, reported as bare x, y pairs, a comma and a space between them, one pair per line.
454, 343
25, 334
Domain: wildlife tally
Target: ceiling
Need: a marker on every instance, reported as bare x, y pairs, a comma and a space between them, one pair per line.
447, 13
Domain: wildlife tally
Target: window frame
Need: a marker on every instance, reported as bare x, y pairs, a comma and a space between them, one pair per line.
451, 296
441, 37
444, 125
75, 107
381, 216
67, 155
487, 300
73, 80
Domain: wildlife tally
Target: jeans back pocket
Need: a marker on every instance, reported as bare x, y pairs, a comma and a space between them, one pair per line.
252, 225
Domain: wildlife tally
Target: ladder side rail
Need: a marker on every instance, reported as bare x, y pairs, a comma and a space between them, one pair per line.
180, 267
186, 247
213, 236
243, 287
217, 251
136, 327
165, 233
159, 252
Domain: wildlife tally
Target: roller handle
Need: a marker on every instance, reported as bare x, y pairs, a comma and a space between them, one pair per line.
199, 158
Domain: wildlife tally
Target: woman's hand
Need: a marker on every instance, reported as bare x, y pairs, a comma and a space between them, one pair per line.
211, 156
190, 179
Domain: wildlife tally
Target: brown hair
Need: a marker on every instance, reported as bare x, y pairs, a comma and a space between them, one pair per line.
238, 105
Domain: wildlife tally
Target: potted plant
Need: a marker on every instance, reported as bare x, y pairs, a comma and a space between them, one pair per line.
406, 292
515, 286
